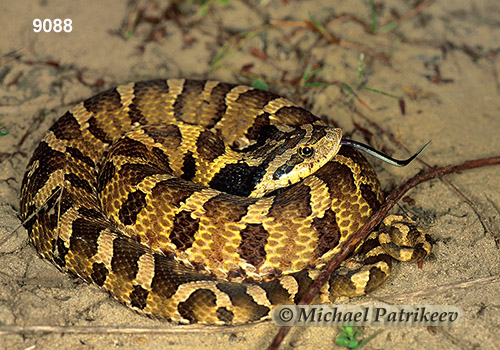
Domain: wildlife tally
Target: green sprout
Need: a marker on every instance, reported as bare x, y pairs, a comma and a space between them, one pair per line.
3, 130
260, 84
348, 335
308, 74
361, 85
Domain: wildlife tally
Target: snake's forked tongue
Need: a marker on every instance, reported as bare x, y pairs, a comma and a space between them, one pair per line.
382, 156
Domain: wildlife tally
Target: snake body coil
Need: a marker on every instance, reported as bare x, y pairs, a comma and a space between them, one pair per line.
200, 201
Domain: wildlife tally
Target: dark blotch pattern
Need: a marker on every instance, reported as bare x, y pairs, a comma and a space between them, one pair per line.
78, 182
164, 134
332, 171
174, 190
377, 277
132, 174
295, 116
369, 244
130, 148
139, 297
217, 100
51, 161
92, 214
366, 171
85, 235
161, 159
169, 275
283, 170
98, 133
291, 139
107, 173
305, 283
253, 241
136, 201
318, 133
256, 98
77, 154
285, 206
224, 210
126, 254
199, 299
60, 253
183, 230
163, 283
209, 146
224, 315
260, 129
240, 298
191, 91
144, 92
275, 292
106, 101
66, 127
99, 273
49, 215
328, 232
370, 197
376, 258
188, 167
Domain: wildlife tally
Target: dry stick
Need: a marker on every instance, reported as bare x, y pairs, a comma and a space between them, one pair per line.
349, 246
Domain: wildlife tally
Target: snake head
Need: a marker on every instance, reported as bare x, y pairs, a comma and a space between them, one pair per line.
297, 153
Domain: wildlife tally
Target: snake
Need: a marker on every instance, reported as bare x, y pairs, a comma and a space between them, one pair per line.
207, 202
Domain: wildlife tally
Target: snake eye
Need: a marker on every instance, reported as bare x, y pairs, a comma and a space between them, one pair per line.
306, 151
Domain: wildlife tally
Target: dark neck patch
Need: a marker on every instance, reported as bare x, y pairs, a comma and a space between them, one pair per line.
239, 179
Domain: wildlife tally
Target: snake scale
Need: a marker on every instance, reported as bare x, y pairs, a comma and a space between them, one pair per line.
206, 202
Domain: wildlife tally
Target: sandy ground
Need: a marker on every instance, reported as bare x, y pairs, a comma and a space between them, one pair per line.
443, 61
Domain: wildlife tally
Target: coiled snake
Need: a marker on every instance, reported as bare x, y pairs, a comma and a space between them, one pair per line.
200, 201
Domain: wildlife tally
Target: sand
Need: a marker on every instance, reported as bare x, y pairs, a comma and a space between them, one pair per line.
443, 61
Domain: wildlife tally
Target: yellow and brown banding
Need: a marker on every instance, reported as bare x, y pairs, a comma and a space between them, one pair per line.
202, 202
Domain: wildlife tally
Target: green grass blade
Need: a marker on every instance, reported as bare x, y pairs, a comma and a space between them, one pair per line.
373, 26
366, 340
360, 68
381, 92
388, 27
319, 26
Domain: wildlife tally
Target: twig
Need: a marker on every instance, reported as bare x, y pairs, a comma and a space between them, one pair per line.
351, 244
